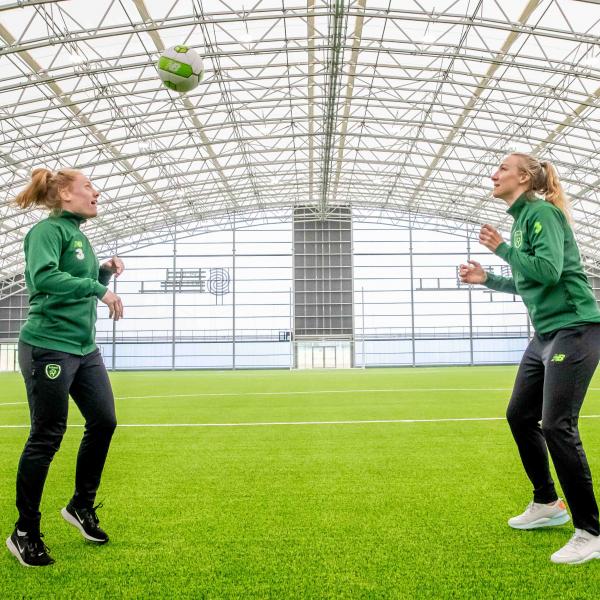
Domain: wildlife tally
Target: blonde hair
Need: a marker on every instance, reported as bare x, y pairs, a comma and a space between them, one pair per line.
543, 179
45, 187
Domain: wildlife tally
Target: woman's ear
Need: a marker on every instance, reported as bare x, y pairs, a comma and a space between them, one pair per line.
65, 195
524, 177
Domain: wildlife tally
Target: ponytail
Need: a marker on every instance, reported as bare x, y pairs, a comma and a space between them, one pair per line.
44, 189
544, 180
553, 191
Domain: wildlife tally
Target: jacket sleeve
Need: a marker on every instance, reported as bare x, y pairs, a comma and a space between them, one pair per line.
500, 284
42, 254
546, 236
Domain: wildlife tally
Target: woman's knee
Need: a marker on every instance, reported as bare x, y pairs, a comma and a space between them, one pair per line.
517, 418
559, 430
105, 423
46, 440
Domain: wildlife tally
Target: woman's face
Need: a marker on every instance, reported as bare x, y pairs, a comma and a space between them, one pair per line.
509, 180
80, 197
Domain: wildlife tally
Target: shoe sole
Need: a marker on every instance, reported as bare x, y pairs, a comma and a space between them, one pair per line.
545, 522
591, 556
69, 518
15, 552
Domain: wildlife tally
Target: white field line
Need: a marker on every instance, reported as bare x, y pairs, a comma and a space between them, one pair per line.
309, 392
266, 373
304, 393
279, 423
295, 393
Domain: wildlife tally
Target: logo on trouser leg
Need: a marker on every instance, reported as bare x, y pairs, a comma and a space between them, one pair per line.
52, 371
558, 358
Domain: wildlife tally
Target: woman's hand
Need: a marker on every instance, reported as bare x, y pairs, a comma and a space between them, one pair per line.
490, 238
115, 306
472, 272
114, 265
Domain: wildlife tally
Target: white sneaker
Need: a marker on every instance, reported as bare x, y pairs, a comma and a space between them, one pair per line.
583, 546
541, 515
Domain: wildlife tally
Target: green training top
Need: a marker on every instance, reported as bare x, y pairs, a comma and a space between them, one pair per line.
546, 268
64, 282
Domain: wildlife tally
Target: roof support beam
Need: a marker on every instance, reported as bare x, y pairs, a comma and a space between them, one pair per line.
334, 67
481, 87
347, 98
206, 143
311, 98
68, 103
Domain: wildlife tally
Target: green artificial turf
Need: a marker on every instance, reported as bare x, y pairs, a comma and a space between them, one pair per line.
347, 510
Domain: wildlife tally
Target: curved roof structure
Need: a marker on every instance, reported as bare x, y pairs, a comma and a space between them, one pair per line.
398, 107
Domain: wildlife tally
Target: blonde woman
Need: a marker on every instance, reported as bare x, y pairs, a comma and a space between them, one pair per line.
559, 362
58, 356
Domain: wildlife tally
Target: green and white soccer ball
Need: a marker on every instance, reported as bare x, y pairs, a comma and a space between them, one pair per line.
180, 68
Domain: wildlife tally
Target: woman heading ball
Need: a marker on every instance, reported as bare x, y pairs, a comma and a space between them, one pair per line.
559, 362
58, 356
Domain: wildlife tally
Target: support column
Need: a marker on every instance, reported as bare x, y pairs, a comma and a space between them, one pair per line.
412, 292
233, 295
470, 292
174, 301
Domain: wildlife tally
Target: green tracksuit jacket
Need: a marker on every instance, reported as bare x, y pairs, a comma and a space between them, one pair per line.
546, 268
64, 283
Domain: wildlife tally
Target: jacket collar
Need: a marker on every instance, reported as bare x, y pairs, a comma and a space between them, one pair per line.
517, 206
75, 218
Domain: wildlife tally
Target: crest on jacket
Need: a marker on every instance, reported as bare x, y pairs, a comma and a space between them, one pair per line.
518, 238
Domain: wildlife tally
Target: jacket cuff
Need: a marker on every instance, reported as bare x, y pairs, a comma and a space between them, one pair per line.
491, 281
502, 250
99, 289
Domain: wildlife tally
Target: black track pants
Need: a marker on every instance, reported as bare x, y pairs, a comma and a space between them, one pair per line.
543, 413
50, 376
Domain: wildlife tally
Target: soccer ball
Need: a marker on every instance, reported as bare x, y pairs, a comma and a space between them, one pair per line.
180, 68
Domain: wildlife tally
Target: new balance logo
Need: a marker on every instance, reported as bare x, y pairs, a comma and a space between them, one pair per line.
558, 358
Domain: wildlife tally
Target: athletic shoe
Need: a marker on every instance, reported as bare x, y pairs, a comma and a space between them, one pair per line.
86, 520
583, 546
541, 515
29, 549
